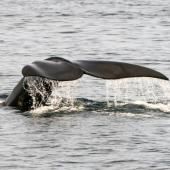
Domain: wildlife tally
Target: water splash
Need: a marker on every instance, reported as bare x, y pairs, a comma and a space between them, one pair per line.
63, 93
38, 88
57, 96
121, 96
149, 92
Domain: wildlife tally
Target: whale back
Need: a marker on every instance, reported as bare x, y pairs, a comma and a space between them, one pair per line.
22, 98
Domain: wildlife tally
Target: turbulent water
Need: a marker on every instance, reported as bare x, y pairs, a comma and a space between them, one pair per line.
122, 124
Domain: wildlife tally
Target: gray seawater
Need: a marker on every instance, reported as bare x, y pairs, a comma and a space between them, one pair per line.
133, 136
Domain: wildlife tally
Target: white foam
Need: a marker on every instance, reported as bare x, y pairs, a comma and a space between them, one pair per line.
1, 103
158, 106
40, 111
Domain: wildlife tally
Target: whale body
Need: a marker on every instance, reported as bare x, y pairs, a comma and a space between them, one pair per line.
60, 69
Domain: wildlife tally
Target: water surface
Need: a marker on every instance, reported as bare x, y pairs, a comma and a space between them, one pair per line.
101, 135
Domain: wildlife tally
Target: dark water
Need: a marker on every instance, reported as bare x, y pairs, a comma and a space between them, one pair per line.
102, 135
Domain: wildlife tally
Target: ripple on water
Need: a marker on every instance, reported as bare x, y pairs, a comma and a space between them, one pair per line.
126, 129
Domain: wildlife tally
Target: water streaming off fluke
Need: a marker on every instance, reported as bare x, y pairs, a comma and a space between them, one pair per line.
59, 97
149, 93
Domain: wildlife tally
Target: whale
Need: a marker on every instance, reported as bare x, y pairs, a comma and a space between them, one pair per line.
60, 69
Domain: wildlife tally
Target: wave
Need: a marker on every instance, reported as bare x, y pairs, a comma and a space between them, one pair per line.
3, 96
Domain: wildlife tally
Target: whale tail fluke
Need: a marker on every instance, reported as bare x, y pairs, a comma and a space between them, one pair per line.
53, 68
117, 70
60, 69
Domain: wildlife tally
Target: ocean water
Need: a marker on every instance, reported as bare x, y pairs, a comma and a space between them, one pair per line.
105, 124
